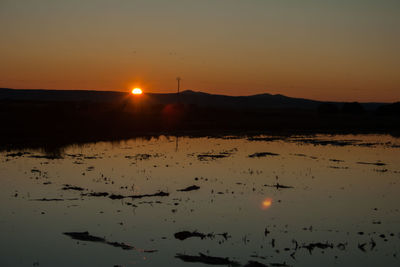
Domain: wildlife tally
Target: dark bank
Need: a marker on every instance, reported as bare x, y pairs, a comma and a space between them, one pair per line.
51, 117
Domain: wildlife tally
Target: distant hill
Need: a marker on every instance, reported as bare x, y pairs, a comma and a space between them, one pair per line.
59, 95
254, 101
260, 101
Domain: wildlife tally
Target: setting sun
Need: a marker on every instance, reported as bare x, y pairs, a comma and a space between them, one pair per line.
137, 91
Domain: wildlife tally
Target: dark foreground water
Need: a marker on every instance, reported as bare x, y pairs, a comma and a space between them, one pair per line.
298, 201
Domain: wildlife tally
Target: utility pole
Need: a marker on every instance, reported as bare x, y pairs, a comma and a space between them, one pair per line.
179, 82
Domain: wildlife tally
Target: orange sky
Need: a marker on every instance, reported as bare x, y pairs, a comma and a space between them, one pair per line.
325, 50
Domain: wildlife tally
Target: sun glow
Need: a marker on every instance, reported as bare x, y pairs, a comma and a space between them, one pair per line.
137, 91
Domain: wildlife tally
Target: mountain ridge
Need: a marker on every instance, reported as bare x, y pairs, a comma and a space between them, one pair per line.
202, 99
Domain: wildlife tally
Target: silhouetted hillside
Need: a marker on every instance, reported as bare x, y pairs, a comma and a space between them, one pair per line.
390, 109
60, 95
256, 101
199, 99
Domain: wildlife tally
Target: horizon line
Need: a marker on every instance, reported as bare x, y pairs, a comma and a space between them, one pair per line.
127, 91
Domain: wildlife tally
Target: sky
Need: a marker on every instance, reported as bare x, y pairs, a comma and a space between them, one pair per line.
338, 50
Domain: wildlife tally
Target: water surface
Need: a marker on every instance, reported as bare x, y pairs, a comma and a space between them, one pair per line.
296, 201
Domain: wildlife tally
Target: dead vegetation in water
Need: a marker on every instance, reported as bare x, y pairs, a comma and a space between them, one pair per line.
183, 235
336, 160
311, 246
186, 234
279, 186
189, 188
371, 163
211, 260
85, 236
143, 156
158, 194
263, 154
71, 187
47, 156
213, 156
267, 139
53, 199
339, 167
95, 194
110, 195
322, 142
17, 154
204, 157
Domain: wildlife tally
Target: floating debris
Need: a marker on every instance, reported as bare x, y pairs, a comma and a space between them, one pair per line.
279, 186
310, 247
143, 156
71, 187
262, 154
266, 139
74, 155
17, 154
207, 259
266, 232
95, 194
92, 157
326, 142
211, 156
372, 243
45, 156
113, 196
120, 245
158, 194
336, 160
362, 247
54, 199
189, 188
338, 167
186, 234
371, 163
139, 157
85, 236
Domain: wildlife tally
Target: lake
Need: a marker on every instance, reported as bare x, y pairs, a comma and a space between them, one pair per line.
190, 201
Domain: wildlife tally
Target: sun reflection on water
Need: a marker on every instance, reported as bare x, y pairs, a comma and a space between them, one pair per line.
266, 203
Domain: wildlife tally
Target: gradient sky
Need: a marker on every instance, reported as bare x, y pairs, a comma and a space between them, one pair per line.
347, 50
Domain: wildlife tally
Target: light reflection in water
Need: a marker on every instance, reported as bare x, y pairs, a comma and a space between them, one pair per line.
266, 203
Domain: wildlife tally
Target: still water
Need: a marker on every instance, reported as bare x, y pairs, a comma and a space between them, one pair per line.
278, 201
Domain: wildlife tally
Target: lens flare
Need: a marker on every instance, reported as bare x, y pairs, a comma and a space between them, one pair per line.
266, 203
